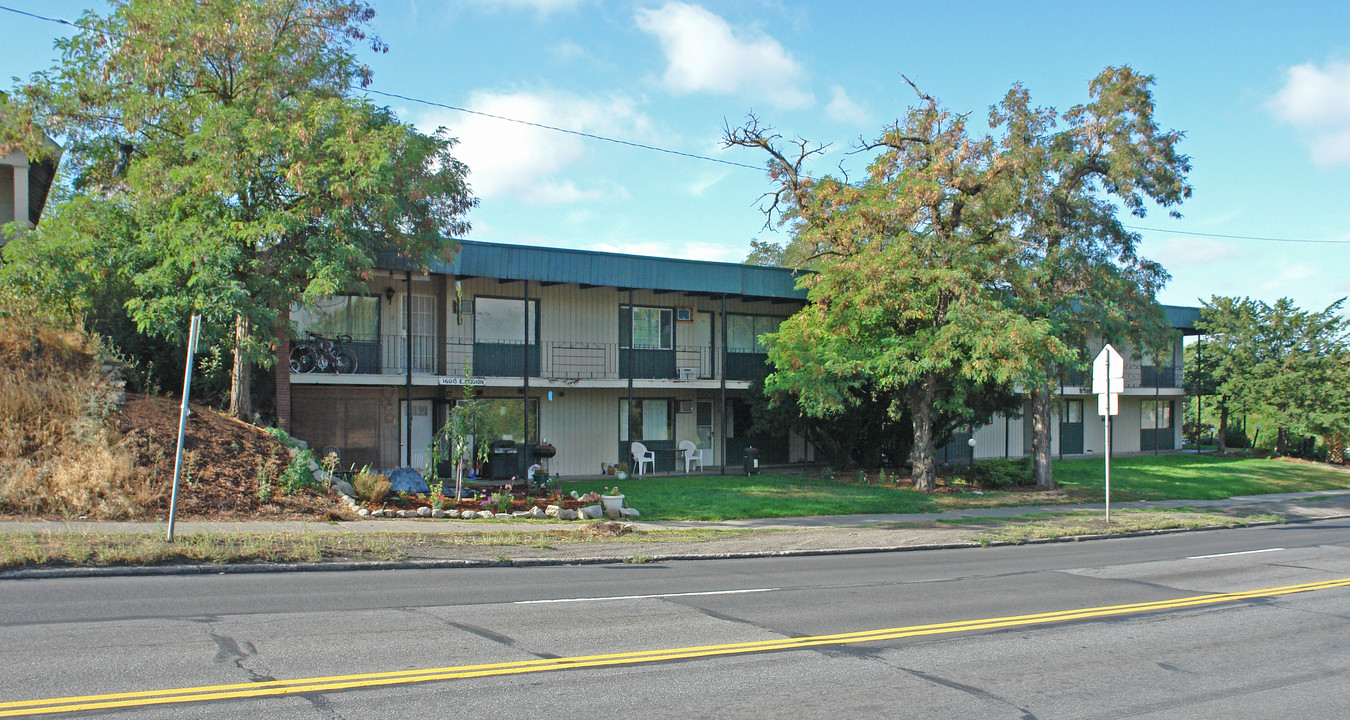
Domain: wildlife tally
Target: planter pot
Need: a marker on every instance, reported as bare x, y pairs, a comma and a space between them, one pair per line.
612, 502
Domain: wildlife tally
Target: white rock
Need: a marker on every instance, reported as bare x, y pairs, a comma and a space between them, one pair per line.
424, 511
438, 513
363, 512
538, 513
406, 513
504, 516
567, 514
469, 514
452, 513
592, 512
486, 515
377, 513
520, 513
323, 477
552, 511
630, 512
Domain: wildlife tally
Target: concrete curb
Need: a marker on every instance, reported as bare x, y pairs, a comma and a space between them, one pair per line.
349, 566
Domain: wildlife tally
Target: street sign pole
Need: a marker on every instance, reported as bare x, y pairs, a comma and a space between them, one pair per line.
182, 420
1108, 381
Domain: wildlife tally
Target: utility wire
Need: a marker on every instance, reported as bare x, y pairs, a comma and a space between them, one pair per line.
1240, 237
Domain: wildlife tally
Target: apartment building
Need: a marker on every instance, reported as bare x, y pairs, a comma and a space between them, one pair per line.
590, 351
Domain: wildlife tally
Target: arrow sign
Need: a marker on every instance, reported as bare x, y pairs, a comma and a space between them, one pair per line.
1108, 372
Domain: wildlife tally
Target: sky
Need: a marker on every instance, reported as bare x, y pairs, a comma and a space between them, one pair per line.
1260, 89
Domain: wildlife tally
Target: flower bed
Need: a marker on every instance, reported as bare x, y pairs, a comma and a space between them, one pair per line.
502, 505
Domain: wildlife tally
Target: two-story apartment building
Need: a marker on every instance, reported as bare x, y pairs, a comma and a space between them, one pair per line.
589, 351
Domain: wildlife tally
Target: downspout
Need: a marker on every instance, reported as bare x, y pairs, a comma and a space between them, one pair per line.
525, 375
632, 361
408, 363
1064, 408
722, 427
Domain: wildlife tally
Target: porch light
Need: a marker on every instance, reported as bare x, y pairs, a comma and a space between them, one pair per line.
389, 295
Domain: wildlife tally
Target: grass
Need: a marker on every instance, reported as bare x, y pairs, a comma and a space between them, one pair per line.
1079, 524
1196, 477
1161, 477
62, 549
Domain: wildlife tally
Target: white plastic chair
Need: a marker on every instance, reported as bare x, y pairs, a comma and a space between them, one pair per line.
692, 455
642, 456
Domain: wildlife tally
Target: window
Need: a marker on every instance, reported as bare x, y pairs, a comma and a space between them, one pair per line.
1155, 414
744, 331
505, 418
651, 419
355, 315
502, 320
1072, 411
646, 328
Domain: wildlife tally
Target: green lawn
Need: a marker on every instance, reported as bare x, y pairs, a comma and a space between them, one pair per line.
1164, 477
1196, 477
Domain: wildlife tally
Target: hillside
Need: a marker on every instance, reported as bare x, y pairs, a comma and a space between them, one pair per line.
72, 445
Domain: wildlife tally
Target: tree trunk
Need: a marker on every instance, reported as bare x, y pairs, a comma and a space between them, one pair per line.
241, 376
922, 456
1223, 429
1042, 470
1282, 441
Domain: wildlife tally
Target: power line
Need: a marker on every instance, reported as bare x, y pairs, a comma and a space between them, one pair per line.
1240, 237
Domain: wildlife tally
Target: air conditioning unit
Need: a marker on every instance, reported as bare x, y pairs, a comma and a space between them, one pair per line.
685, 406
688, 373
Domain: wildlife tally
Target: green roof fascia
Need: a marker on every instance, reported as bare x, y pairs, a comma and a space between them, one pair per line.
589, 267
1183, 318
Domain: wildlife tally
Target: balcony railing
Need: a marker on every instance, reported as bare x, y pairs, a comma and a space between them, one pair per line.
553, 359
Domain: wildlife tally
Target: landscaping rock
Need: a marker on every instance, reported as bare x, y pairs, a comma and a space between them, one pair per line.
520, 513
408, 480
377, 513
485, 514
344, 487
469, 514
613, 513
452, 514
363, 512
552, 511
538, 513
438, 513
424, 511
567, 514
630, 512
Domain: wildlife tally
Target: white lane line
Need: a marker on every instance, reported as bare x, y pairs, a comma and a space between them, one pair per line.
643, 597
1244, 552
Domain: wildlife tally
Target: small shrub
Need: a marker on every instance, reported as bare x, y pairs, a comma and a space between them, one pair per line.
297, 475
998, 473
371, 486
437, 495
827, 473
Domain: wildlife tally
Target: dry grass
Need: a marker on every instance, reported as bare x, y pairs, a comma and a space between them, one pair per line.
59, 454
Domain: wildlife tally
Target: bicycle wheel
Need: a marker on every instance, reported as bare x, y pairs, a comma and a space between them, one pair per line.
345, 361
302, 359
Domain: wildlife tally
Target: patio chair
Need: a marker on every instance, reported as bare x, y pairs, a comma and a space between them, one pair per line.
692, 455
642, 456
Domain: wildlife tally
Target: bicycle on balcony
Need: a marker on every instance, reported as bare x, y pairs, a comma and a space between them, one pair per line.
325, 355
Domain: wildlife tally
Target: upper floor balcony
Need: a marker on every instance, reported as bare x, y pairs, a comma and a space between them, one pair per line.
389, 355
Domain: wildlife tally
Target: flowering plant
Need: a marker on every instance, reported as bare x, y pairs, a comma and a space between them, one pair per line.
590, 497
612, 491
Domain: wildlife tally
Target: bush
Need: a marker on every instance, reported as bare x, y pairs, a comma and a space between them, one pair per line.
1236, 439
298, 475
371, 486
998, 473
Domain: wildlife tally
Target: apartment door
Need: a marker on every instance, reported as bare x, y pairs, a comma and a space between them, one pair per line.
421, 433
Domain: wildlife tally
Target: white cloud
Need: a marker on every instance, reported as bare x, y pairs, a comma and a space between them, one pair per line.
841, 108
1290, 279
1317, 99
1187, 251
703, 54
700, 185
510, 159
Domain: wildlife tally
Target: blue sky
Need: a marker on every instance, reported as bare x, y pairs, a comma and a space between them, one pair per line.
1262, 91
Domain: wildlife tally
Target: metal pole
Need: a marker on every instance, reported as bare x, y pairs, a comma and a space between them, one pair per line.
182, 419
407, 384
1108, 439
632, 362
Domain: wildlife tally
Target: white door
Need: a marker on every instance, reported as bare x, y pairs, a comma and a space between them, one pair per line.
421, 433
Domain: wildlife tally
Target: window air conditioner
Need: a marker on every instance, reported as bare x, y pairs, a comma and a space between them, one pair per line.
688, 373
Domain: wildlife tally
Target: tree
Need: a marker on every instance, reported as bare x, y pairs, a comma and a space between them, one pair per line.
244, 172
1085, 276
1288, 365
914, 271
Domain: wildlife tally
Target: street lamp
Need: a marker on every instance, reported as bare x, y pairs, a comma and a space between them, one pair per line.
971, 443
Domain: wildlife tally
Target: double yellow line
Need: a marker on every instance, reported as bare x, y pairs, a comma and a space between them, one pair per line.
368, 680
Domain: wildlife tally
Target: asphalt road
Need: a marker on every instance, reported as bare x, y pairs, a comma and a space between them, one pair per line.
941, 634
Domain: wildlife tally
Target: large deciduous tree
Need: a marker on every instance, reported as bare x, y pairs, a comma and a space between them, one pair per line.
1061, 174
914, 272
226, 140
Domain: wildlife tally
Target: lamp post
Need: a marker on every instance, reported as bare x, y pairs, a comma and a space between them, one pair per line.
1254, 437
971, 443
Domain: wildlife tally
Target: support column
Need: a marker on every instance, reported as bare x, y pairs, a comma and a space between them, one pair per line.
21, 194
281, 370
